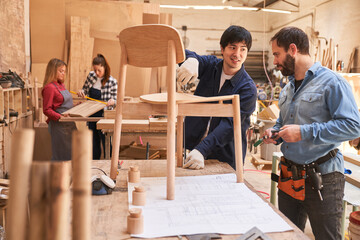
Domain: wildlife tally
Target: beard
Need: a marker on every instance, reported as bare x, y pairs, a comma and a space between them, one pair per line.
288, 67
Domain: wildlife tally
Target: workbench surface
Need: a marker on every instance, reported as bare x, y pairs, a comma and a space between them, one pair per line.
109, 212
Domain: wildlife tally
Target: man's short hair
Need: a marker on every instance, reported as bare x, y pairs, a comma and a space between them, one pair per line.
235, 34
289, 35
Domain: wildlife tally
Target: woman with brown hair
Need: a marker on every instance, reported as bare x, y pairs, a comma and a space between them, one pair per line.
102, 86
56, 100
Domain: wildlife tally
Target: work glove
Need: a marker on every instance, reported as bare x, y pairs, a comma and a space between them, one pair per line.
188, 71
195, 160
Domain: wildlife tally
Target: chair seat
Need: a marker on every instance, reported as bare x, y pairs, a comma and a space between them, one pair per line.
161, 98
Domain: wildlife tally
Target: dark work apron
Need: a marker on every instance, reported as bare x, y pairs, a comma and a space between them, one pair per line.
61, 132
98, 136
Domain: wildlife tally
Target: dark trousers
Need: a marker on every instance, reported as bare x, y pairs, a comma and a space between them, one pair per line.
98, 139
324, 216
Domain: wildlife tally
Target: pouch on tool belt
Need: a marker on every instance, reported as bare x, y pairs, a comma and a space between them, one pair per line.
294, 186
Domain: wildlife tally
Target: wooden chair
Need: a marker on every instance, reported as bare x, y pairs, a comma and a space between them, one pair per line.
155, 45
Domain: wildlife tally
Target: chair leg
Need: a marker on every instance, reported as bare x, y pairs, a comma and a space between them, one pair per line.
179, 140
171, 125
237, 139
116, 142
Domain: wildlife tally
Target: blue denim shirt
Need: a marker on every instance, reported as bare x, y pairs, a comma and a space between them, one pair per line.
219, 143
325, 108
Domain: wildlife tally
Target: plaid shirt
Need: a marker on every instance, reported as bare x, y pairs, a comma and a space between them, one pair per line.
108, 91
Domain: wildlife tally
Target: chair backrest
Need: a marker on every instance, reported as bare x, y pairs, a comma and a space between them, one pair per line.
147, 45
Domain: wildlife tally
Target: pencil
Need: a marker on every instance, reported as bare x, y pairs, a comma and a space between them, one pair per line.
90, 98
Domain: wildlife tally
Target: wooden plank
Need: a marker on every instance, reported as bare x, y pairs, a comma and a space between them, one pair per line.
353, 181
127, 124
85, 109
81, 50
144, 109
47, 24
80, 119
352, 158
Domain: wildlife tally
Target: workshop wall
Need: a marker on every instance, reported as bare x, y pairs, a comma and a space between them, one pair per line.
335, 19
332, 18
12, 36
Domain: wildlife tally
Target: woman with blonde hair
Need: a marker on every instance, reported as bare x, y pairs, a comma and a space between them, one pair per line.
56, 100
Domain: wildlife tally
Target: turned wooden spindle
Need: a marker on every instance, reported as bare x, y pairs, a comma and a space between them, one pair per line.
134, 174
135, 221
22, 145
139, 196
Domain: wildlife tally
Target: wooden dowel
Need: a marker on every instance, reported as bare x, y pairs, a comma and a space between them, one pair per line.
22, 145
59, 200
39, 198
81, 156
155, 155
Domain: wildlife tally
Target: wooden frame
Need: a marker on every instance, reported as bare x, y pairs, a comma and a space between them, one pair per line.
156, 45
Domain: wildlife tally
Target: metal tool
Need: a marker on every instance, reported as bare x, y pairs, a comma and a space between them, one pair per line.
90, 98
316, 181
254, 234
260, 141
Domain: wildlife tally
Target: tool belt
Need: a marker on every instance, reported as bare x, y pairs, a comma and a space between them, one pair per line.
292, 175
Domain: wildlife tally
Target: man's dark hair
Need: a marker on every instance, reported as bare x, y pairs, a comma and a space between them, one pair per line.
235, 34
289, 35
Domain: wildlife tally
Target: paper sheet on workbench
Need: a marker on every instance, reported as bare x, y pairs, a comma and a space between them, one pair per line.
204, 204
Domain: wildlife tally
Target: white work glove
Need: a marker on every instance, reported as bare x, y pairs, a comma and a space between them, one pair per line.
195, 160
188, 71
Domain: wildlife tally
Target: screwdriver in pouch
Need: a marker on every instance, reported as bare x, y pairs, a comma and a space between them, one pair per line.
316, 181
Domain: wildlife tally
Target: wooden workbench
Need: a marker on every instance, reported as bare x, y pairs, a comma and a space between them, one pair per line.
109, 212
